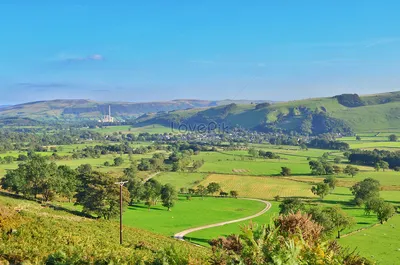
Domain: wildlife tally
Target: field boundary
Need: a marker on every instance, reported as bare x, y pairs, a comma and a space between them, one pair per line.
181, 235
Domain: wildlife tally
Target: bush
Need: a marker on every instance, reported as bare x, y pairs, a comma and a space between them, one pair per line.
350, 100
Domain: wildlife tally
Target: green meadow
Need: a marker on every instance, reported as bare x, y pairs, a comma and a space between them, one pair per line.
189, 213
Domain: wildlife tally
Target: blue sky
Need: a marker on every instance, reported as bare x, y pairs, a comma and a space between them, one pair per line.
162, 50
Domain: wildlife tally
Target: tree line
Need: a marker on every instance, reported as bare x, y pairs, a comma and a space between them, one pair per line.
375, 158
39, 178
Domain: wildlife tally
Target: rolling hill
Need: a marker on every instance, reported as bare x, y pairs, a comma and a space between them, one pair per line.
82, 109
344, 114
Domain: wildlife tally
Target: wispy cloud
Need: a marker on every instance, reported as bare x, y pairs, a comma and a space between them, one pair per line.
41, 85
74, 58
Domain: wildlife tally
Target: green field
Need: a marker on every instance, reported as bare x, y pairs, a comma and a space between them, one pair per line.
380, 243
187, 214
260, 187
239, 162
181, 179
202, 237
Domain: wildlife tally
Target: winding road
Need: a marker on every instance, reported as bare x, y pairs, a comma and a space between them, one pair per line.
182, 234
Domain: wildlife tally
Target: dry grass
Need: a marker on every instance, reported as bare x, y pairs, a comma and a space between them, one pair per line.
260, 187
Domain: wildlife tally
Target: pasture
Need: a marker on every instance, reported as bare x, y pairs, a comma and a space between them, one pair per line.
260, 187
380, 243
239, 162
180, 179
202, 237
189, 213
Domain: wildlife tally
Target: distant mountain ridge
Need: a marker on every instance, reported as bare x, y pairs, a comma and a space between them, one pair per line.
345, 114
84, 109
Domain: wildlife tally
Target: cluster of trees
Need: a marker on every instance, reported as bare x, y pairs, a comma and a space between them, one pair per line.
124, 148
393, 138
323, 167
366, 193
116, 162
350, 100
376, 158
326, 187
7, 159
176, 161
151, 192
18, 140
324, 143
211, 189
322, 123
36, 176
263, 154
95, 191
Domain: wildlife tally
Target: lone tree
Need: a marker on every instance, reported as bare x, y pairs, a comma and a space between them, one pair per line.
201, 190
118, 161
152, 192
331, 181
317, 168
168, 196
99, 195
337, 160
234, 193
383, 210
291, 205
393, 138
67, 181
381, 165
253, 152
340, 220
350, 170
321, 189
365, 190
286, 171
213, 187
337, 170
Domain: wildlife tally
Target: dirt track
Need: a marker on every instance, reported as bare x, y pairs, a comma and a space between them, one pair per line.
182, 234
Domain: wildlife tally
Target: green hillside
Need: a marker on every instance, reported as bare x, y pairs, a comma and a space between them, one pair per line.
33, 234
81, 109
340, 114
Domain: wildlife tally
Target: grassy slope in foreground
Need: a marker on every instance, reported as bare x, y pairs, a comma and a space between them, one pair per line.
39, 232
385, 251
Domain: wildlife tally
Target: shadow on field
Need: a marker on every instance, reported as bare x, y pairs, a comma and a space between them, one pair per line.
342, 194
394, 202
135, 206
190, 239
74, 212
47, 204
344, 204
